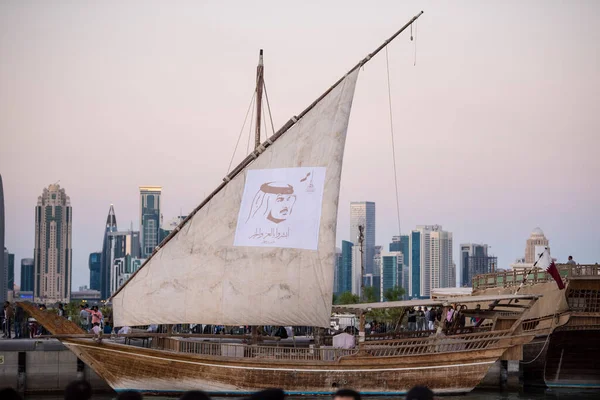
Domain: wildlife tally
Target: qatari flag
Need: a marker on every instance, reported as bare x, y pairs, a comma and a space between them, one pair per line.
545, 261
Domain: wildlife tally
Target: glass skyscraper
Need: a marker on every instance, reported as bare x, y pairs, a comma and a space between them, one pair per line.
27, 268
149, 218
11, 272
391, 271
106, 257
345, 268
430, 264
95, 264
363, 213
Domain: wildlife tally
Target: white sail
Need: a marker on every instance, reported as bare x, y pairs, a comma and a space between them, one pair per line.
261, 251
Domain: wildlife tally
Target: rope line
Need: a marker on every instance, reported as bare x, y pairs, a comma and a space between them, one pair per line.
269, 107
241, 131
250, 127
415, 63
387, 63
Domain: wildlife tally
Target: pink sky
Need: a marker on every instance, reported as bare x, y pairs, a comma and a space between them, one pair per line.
496, 127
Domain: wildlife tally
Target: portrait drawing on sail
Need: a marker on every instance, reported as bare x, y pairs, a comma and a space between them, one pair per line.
281, 207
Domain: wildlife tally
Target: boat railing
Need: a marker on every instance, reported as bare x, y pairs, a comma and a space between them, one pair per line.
435, 344
515, 277
242, 350
381, 348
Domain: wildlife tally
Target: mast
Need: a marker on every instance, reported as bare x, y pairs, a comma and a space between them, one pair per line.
259, 91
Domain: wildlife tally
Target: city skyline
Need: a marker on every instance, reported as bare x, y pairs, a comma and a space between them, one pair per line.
486, 149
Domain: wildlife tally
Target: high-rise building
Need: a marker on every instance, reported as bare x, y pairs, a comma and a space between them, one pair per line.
363, 213
345, 268
430, 260
3, 262
123, 268
167, 227
536, 239
357, 273
95, 264
441, 259
402, 244
27, 274
124, 245
452, 275
105, 257
373, 281
405, 280
11, 272
4, 276
391, 272
53, 253
337, 271
149, 218
474, 260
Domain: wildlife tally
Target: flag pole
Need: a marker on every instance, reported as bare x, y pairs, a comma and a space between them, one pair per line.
531, 270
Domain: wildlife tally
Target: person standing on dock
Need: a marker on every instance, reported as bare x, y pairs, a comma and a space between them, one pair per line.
19, 319
571, 261
96, 316
8, 316
412, 319
84, 318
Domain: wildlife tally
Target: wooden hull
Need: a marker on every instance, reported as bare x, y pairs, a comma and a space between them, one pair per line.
573, 360
160, 371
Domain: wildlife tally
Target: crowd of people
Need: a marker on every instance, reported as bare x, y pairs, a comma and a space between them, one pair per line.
82, 390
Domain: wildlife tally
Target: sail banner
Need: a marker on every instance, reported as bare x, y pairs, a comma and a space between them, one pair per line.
262, 250
281, 207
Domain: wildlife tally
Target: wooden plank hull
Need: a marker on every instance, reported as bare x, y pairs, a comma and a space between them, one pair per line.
159, 371
573, 360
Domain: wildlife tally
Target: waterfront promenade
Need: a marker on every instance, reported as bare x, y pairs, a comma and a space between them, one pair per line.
42, 365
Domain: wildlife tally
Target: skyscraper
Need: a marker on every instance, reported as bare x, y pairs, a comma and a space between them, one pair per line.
4, 275
345, 271
391, 272
337, 270
536, 239
124, 257
27, 274
149, 218
105, 257
53, 253
11, 272
2, 260
474, 260
363, 213
430, 264
402, 244
95, 265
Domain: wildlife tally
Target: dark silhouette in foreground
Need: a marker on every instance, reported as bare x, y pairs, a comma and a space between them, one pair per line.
346, 394
194, 395
268, 394
130, 395
78, 390
419, 393
9, 394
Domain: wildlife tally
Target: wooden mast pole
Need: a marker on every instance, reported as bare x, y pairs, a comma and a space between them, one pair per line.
259, 91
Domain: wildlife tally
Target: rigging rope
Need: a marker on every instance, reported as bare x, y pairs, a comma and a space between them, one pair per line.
387, 63
415, 63
250, 126
269, 107
241, 131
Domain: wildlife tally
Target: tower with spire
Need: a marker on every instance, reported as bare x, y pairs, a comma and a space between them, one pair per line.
105, 259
